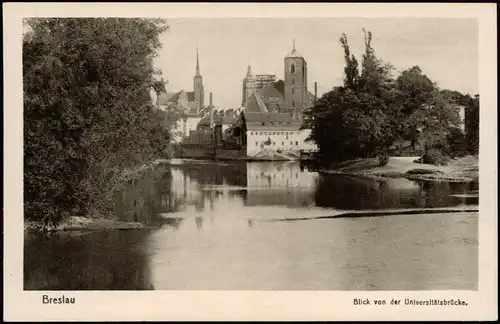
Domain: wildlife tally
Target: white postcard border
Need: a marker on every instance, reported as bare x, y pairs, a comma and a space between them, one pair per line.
22, 305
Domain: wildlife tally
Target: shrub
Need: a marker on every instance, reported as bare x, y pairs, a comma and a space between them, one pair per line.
383, 160
423, 171
457, 143
435, 157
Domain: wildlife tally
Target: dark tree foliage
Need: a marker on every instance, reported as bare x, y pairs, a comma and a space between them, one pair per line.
472, 125
88, 114
372, 110
352, 120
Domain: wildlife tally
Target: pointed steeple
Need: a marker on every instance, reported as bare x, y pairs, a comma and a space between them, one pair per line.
249, 72
294, 51
197, 62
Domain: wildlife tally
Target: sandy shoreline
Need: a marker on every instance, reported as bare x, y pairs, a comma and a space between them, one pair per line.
465, 169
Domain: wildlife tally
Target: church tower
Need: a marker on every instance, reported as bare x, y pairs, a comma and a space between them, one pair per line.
199, 92
248, 86
296, 94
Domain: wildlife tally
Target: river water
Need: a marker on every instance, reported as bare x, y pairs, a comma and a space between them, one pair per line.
268, 226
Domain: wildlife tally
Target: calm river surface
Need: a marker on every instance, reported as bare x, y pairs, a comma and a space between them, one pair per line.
265, 226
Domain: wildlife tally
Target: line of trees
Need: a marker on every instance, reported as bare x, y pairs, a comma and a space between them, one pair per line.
373, 111
88, 113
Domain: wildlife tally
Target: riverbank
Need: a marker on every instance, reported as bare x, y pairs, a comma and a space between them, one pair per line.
78, 223
98, 222
465, 169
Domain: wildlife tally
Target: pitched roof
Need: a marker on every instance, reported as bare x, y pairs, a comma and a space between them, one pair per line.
166, 98
275, 121
310, 97
205, 121
254, 103
293, 54
274, 89
267, 117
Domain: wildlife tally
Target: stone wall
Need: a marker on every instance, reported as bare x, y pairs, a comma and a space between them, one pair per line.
231, 154
197, 152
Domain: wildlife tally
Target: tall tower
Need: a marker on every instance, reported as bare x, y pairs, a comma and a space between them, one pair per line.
199, 92
296, 95
248, 86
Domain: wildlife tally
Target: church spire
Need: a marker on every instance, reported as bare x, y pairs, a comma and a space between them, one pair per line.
249, 71
294, 53
197, 62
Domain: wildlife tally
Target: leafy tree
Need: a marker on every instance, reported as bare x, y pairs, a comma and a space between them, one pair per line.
158, 86
472, 125
427, 115
354, 120
372, 111
88, 114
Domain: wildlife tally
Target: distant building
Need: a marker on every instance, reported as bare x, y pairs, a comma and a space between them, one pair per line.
269, 123
262, 80
220, 123
290, 96
267, 133
189, 103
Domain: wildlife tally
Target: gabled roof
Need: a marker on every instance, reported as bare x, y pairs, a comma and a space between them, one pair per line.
168, 98
274, 89
254, 103
273, 121
173, 97
267, 117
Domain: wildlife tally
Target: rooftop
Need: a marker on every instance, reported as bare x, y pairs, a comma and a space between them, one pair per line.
293, 53
264, 121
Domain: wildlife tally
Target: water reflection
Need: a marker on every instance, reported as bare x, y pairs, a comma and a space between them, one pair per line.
288, 184
212, 232
109, 260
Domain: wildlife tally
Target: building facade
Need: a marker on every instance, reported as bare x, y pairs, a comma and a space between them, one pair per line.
271, 134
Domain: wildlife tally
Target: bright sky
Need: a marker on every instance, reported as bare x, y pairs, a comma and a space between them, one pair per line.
445, 49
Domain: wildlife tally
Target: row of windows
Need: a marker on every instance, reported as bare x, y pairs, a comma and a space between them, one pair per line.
282, 143
273, 133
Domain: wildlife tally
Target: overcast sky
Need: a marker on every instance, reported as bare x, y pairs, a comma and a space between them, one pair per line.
445, 49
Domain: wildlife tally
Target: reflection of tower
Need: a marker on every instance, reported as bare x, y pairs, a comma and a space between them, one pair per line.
211, 197
200, 203
199, 222
184, 183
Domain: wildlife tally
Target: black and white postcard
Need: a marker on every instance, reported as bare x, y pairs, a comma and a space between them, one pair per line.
250, 161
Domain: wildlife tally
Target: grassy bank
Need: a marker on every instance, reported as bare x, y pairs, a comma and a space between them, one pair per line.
465, 169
